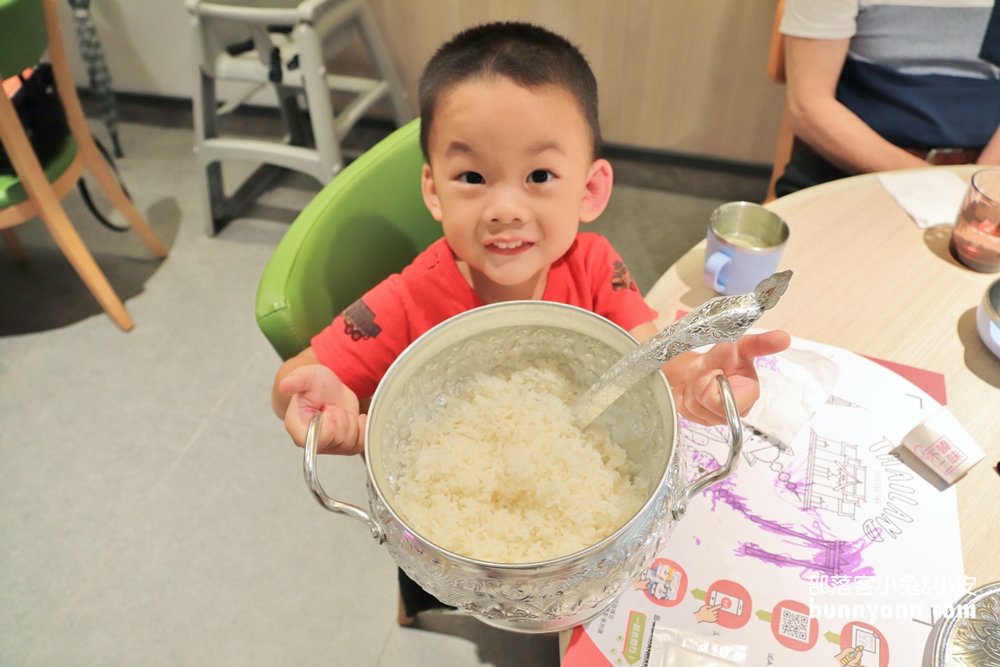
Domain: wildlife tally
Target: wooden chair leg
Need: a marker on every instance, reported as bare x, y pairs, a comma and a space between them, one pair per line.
102, 174
26, 165
76, 252
14, 246
401, 618
81, 132
782, 154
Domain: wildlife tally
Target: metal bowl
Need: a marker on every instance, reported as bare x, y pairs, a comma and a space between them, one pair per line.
988, 318
545, 596
970, 634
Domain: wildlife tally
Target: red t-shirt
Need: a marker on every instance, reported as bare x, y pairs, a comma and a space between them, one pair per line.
364, 340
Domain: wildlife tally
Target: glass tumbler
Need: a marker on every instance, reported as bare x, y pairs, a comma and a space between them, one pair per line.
975, 241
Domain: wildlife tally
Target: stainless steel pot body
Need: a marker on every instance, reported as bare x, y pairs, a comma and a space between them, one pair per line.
534, 597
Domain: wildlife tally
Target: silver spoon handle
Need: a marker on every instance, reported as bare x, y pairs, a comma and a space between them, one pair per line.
717, 320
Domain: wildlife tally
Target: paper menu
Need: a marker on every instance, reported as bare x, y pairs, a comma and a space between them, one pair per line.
818, 544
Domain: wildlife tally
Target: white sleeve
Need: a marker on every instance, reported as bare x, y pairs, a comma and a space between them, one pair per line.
820, 19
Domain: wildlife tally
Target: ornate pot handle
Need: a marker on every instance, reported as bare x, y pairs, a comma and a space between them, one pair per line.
312, 479
735, 449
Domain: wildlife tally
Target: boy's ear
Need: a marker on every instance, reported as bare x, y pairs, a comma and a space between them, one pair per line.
598, 190
431, 199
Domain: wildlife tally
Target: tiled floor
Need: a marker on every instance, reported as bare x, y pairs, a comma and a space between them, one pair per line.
152, 509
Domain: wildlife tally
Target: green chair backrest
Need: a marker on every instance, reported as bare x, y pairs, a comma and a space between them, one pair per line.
368, 223
23, 39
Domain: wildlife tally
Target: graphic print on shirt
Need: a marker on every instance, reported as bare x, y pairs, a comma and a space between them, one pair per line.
359, 322
622, 279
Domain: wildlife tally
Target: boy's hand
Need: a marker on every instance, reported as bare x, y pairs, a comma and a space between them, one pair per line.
692, 376
315, 388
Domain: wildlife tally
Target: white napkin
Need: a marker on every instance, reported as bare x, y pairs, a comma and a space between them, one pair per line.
931, 197
791, 395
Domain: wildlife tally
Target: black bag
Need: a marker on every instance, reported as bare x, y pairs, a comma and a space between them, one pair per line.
41, 112
42, 115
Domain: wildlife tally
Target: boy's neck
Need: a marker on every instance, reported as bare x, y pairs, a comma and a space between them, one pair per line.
490, 292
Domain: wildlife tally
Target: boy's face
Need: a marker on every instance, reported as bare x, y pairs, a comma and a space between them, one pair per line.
510, 177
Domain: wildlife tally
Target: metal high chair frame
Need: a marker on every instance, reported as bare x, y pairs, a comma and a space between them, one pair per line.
287, 48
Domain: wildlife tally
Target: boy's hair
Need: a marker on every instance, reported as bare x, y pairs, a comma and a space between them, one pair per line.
526, 54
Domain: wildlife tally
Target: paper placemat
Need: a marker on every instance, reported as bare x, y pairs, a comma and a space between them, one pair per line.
816, 545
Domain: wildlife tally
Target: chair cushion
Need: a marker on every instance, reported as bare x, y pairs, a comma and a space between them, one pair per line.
22, 34
12, 191
369, 222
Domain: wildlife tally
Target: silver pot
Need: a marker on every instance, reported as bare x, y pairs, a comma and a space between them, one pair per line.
527, 597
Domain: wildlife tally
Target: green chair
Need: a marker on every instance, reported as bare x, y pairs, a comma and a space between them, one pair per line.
368, 223
27, 29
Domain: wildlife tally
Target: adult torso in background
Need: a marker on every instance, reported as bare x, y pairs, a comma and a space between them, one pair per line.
913, 72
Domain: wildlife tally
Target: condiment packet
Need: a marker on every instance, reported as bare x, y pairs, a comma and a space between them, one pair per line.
673, 647
944, 445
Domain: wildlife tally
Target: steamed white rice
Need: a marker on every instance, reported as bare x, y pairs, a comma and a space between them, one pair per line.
501, 474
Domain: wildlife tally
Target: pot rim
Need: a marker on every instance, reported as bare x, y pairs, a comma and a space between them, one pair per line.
580, 555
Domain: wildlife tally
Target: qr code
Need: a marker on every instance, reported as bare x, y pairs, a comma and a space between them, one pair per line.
794, 625
867, 640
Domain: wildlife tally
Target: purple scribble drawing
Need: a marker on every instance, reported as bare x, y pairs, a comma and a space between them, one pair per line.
769, 362
813, 547
790, 481
823, 552
836, 558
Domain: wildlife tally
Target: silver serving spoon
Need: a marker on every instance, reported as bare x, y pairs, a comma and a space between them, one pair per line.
723, 318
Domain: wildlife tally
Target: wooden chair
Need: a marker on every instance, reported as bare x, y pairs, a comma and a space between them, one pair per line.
776, 70
27, 27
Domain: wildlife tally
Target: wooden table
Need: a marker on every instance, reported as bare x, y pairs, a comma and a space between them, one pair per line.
867, 279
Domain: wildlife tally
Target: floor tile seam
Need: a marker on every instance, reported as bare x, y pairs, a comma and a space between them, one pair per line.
393, 626
207, 421
61, 613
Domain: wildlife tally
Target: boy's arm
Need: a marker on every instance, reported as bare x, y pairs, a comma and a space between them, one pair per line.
813, 68
692, 375
303, 387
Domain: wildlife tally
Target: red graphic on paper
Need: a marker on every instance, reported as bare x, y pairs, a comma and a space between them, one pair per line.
664, 583
734, 600
932, 383
583, 652
792, 626
876, 648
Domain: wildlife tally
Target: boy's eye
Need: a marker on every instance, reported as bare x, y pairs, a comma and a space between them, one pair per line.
540, 176
472, 178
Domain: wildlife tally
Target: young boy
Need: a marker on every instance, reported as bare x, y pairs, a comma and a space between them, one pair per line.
510, 133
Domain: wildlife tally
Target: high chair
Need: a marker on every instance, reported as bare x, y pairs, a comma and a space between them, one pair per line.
776, 70
368, 223
27, 28
286, 47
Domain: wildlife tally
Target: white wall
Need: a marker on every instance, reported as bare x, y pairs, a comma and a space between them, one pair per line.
148, 47
147, 44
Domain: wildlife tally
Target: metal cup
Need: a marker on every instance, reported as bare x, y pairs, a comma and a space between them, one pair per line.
988, 318
745, 242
